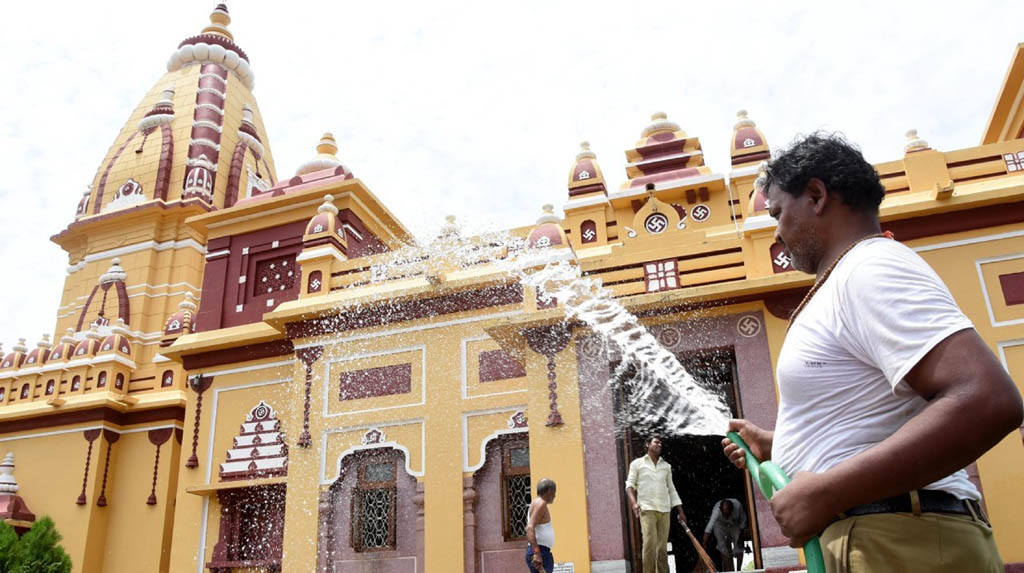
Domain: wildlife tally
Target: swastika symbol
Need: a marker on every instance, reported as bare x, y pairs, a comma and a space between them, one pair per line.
782, 260
656, 223
701, 213
748, 326
589, 235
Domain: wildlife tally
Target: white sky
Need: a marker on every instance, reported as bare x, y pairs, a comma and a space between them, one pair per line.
476, 108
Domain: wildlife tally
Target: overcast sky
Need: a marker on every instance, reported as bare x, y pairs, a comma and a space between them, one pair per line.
477, 108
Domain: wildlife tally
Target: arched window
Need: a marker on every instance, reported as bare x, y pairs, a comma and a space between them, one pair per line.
76, 383
25, 390
3, 393
101, 379
167, 379
515, 488
373, 504
119, 381
588, 231
50, 387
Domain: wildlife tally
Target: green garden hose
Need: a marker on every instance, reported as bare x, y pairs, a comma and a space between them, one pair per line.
770, 478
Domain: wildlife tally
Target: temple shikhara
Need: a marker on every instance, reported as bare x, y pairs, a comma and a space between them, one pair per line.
257, 367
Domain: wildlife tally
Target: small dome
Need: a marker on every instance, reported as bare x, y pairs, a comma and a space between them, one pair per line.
83, 203
118, 341
90, 345
326, 157
748, 143
548, 232
40, 353
325, 228
181, 321
16, 357
65, 349
586, 176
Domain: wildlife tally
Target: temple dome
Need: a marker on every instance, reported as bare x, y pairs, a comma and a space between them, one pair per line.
548, 233
196, 135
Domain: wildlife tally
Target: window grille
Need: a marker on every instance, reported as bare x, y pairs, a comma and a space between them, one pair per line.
373, 505
515, 486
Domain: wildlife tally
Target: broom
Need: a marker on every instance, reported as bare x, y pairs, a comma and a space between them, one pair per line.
705, 559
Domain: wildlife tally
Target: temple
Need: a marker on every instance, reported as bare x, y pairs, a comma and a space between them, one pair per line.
262, 370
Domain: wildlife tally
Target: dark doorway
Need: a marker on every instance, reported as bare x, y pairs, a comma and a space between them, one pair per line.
701, 474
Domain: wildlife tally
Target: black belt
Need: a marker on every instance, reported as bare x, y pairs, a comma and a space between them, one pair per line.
932, 501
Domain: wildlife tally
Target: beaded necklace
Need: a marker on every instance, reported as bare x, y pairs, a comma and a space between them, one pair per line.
825, 275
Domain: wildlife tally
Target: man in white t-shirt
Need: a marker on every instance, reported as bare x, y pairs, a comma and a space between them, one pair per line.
886, 391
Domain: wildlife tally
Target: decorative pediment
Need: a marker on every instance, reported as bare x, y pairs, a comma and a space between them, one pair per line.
259, 449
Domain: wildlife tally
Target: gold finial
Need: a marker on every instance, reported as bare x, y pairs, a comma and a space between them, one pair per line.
328, 205
914, 143
585, 152
660, 123
327, 145
549, 215
219, 20
742, 120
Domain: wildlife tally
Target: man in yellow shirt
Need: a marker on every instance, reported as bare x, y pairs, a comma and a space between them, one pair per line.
652, 496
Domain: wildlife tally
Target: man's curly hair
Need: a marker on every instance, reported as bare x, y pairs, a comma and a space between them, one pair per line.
836, 162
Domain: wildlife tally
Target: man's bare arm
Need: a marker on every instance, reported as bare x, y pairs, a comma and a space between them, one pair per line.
972, 405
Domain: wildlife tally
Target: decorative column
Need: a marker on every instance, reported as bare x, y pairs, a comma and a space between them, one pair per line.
199, 384
157, 438
469, 497
325, 537
308, 356
421, 523
90, 436
549, 341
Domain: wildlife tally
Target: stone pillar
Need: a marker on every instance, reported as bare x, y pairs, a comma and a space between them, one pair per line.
469, 497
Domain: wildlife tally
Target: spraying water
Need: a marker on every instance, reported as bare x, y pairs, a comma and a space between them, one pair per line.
662, 394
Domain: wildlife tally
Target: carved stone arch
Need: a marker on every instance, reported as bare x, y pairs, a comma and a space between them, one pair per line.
364, 479
496, 537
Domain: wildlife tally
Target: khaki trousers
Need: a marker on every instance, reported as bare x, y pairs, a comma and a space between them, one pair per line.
927, 543
654, 531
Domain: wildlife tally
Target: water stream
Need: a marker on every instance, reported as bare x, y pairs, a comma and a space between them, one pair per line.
663, 396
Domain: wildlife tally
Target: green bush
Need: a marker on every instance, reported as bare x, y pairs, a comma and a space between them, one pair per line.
38, 551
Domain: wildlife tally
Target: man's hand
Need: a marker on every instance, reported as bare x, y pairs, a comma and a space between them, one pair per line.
636, 510
681, 516
803, 508
537, 560
759, 440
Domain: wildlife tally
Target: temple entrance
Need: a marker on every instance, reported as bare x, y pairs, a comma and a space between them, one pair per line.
701, 474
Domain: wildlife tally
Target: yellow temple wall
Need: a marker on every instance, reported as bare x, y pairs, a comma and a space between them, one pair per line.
236, 389
50, 467
970, 263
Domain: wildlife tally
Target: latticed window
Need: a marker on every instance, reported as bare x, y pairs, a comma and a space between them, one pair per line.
373, 505
515, 488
